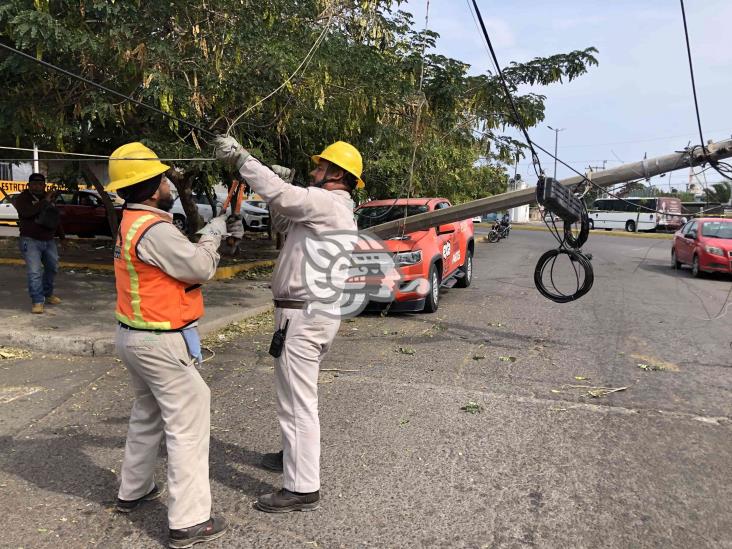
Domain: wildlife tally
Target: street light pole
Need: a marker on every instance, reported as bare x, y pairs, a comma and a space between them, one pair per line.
556, 140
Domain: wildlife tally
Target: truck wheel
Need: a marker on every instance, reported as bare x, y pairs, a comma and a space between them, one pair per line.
592, 224
630, 226
467, 270
432, 300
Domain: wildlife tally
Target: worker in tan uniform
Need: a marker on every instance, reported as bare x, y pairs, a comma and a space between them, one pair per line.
302, 336
159, 302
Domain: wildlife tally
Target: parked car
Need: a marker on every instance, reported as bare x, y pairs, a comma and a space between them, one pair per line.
255, 214
441, 256
8, 213
477, 219
253, 217
180, 219
705, 244
82, 213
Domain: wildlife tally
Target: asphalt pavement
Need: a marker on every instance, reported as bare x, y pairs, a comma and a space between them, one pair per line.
487, 424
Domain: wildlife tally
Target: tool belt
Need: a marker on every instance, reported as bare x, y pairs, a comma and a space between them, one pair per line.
290, 304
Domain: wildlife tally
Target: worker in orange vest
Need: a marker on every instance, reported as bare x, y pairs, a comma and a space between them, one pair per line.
159, 301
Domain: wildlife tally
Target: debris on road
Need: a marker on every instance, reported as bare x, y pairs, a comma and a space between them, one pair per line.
654, 364
406, 351
10, 353
250, 326
472, 407
655, 367
507, 358
604, 391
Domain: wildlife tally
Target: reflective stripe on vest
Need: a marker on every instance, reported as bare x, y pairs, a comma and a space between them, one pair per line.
137, 321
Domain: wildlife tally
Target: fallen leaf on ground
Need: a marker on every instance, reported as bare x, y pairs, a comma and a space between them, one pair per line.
472, 407
8, 353
507, 358
406, 350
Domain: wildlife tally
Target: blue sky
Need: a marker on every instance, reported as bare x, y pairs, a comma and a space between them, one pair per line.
638, 100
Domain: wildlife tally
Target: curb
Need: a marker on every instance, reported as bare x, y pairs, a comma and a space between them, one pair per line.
222, 273
230, 271
105, 346
657, 236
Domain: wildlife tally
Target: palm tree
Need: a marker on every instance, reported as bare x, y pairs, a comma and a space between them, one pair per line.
721, 192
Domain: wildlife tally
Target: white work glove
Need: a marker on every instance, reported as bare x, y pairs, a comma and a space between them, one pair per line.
230, 152
215, 227
235, 227
286, 174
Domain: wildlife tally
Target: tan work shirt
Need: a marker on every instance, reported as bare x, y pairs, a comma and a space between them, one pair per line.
302, 213
168, 249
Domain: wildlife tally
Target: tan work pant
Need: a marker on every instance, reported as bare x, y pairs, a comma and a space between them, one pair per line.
171, 398
296, 380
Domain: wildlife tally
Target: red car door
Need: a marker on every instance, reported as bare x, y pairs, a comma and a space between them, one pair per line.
687, 243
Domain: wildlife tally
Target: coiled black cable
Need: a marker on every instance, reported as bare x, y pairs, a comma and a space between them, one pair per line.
548, 259
576, 242
570, 246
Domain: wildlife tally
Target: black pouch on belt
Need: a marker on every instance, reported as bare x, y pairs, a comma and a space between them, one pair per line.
278, 341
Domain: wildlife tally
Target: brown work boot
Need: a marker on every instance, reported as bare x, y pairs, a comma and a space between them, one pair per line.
126, 506
37, 308
212, 529
53, 300
284, 501
273, 462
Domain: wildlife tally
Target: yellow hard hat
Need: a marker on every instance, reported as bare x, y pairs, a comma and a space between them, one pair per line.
346, 156
140, 164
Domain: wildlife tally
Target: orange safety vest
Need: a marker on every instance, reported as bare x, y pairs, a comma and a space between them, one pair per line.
147, 297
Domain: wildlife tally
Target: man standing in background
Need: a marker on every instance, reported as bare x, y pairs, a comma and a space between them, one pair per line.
38, 221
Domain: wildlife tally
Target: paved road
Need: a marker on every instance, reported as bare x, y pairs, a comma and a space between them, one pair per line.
542, 465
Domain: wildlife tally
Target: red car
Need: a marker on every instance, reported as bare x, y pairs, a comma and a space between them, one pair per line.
705, 244
83, 214
428, 259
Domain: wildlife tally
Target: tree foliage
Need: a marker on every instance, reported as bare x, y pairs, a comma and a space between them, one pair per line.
207, 62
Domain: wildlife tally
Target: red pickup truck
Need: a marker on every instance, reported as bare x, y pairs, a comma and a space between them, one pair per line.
426, 259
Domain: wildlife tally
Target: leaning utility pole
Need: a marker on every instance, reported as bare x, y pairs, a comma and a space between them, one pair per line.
606, 178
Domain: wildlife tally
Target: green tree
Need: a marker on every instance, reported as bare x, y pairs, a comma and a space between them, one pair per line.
342, 70
720, 192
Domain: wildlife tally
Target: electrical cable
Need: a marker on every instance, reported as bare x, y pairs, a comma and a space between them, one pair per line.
568, 239
696, 100
569, 244
691, 72
104, 88
85, 157
509, 96
303, 65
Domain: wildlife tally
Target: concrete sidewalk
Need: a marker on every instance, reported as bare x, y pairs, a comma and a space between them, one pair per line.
84, 323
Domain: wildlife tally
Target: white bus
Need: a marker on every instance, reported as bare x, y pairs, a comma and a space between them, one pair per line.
636, 214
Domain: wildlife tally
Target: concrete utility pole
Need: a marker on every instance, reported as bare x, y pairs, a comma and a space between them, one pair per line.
606, 178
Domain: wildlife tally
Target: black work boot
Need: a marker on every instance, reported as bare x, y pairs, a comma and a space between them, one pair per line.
273, 462
212, 529
284, 501
126, 506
